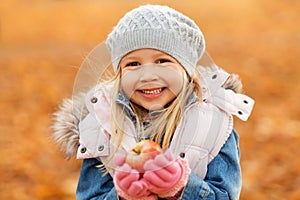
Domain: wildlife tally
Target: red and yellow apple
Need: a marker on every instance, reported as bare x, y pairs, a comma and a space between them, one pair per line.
141, 152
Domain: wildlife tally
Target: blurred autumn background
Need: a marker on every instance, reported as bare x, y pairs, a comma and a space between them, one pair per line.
43, 42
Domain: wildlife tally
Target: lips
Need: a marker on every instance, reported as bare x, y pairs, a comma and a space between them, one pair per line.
153, 92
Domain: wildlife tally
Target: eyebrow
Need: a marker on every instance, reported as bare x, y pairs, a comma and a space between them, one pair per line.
154, 55
157, 54
130, 58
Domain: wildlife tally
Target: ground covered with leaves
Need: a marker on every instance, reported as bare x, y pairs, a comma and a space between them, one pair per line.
42, 44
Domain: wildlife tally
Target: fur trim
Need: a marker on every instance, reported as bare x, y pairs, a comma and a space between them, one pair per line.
234, 83
65, 124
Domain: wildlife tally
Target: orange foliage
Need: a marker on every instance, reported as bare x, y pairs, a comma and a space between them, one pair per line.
42, 43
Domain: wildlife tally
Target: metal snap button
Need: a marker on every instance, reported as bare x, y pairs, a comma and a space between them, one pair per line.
94, 100
83, 150
182, 155
101, 148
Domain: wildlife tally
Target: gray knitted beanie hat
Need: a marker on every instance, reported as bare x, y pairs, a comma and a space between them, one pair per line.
157, 27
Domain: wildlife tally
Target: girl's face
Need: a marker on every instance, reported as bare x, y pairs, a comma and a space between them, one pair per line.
151, 78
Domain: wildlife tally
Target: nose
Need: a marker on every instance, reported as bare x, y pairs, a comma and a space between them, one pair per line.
148, 73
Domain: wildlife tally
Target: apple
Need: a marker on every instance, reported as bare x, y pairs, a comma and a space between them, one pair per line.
141, 152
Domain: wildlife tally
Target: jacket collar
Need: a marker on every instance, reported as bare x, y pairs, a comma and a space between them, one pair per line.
124, 101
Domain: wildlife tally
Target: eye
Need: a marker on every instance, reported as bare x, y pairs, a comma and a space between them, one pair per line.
132, 64
162, 60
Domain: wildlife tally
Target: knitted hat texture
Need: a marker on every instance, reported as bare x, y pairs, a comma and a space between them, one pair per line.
161, 28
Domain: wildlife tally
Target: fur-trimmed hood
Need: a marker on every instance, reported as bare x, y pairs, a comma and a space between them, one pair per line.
65, 124
71, 111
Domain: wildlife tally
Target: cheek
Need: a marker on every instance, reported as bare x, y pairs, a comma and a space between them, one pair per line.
128, 82
176, 84
175, 80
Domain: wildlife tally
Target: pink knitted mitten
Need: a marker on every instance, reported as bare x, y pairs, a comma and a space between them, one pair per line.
128, 182
166, 175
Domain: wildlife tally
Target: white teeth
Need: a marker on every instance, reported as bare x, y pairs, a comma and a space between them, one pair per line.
156, 91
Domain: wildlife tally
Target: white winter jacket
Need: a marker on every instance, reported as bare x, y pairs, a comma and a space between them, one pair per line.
201, 133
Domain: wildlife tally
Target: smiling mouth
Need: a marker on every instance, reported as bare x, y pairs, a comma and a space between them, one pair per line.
151, 91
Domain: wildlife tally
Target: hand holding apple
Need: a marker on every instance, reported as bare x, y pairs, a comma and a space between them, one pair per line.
128, 183
165, 174
128, 178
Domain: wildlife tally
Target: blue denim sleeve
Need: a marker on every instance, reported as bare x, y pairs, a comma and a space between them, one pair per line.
92, 184
223, 179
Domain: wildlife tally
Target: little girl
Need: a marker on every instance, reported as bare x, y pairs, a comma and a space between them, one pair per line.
158, 93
